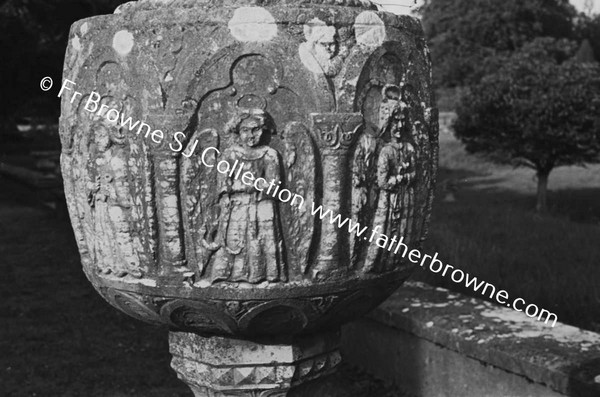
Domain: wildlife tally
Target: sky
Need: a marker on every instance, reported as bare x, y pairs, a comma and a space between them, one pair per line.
404, 6
580, 4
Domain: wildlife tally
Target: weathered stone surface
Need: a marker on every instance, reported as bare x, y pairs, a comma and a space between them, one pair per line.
423, 368
225, 366
561, 360
344, 121
316, 104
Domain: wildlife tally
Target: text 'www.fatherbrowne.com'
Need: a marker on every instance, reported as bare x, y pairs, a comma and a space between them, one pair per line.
210, 158
435, 265
392, 244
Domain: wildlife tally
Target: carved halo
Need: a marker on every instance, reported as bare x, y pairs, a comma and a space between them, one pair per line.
252, 101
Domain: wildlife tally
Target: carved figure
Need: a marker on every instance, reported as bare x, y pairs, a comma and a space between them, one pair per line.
110, 198
390, 101
250, 236
253, 263
395, 172
321, 53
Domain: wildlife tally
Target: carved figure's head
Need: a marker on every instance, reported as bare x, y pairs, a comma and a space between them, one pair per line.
396, 125
101, 136
116, 134
251, 131
107, 135
390, 97
322, 38
399, 121
251, 126
325, 43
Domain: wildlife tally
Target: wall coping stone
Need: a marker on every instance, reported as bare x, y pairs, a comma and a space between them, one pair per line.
564, 358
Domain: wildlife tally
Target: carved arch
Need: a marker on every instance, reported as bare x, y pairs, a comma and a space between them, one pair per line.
248, 75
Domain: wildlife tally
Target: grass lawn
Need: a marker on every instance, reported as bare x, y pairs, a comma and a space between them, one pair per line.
492, 232
57, 335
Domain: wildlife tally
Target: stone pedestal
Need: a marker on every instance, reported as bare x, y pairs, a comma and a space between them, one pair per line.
217, 366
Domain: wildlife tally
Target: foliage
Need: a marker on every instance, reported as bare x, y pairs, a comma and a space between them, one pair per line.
538, 100
589, 28
466, 35
541, 109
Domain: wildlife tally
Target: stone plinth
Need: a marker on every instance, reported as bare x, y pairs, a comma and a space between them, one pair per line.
216, 366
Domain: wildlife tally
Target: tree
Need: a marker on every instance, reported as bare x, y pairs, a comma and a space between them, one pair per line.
588, 28
541, 109
466, 35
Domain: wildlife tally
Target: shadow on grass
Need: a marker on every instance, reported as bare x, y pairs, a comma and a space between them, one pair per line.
494, 234
58, 337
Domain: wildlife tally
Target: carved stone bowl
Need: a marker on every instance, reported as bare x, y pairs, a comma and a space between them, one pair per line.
329, 101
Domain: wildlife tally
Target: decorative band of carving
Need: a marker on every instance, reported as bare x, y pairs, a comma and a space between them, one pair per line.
204, 391
336, 132
291, 316
134, 305
154, 4
349, 3
248, 377
317, 367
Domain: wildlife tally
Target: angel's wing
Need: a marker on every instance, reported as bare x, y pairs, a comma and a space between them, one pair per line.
200, 200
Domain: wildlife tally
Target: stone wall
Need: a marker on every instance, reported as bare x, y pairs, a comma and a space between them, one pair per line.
433, 342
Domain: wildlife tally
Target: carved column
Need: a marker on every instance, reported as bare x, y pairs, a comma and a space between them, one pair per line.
266, 110
166, 190
335, 134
